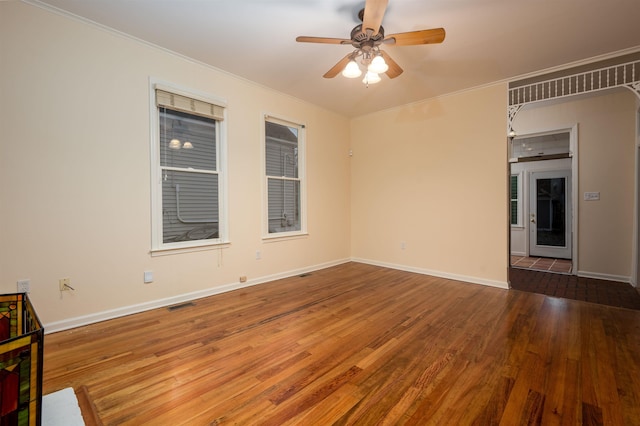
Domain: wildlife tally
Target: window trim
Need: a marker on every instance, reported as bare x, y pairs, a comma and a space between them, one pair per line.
157, 244
302, 160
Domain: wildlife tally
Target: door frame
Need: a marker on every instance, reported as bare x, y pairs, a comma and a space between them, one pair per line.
635, 264
568, 214
575, 189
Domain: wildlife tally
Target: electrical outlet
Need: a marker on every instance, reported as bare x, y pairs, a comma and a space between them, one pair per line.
258, 255
243, 278
24, 286
148, 277
65, 284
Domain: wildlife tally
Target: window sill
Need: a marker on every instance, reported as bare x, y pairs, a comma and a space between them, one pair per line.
192, 249
285, 237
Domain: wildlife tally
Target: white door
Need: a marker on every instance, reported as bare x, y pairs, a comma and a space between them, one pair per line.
550, 214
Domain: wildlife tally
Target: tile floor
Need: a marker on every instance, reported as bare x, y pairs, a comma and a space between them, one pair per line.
542, 264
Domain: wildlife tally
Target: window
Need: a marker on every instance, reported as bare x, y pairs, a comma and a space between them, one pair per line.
515, 200
284, 165
188, 195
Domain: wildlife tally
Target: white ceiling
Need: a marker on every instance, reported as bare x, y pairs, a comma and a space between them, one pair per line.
486, 41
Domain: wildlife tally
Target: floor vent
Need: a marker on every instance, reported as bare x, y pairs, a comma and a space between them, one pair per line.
180, 306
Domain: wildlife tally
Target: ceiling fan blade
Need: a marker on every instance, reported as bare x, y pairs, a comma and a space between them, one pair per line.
373, 14
435, 35
326, 40
335, 70
394, 69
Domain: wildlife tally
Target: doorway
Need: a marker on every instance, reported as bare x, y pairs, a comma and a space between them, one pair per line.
550, 214
543, 167
607, 188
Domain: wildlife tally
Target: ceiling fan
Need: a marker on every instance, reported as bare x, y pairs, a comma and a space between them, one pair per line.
367, 38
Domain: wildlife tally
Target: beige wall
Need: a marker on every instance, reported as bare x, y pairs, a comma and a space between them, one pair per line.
606, 164
433, 176
75, 172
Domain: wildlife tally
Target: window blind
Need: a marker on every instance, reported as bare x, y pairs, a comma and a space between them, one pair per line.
193, 106
200, 131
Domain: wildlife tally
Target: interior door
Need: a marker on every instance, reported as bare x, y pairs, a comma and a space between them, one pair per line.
550, 214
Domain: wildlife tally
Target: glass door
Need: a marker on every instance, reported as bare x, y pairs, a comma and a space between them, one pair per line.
550, 214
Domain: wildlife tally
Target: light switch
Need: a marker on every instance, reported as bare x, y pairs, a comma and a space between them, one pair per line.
148, 277
591, 196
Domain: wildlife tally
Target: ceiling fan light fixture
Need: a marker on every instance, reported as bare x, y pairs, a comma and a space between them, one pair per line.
371, 78
378, 65
187, 145
352, 70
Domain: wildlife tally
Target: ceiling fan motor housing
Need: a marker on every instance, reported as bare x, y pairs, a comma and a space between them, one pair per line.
360, 39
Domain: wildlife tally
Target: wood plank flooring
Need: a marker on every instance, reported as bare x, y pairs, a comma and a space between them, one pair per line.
358, 344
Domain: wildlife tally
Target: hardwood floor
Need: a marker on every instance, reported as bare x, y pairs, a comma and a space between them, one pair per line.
358, 344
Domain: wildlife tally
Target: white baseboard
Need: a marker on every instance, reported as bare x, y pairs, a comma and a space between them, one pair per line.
440, 274
518, 253
181, 298
607, 277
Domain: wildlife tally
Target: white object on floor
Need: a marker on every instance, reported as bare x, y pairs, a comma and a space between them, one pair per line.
61, 409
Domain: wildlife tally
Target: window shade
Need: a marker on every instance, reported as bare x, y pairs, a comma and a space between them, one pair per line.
190, 105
